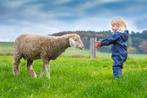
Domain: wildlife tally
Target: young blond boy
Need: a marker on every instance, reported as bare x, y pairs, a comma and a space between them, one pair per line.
119, 45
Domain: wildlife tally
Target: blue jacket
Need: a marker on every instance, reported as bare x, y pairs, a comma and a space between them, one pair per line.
119, 44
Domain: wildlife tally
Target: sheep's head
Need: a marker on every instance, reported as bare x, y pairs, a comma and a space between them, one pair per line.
75, 41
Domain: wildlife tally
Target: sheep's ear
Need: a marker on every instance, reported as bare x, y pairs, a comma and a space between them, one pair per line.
72, 42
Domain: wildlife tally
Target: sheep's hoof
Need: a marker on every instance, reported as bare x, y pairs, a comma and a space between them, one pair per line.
15, 72
34, 75
43, 74
48, 76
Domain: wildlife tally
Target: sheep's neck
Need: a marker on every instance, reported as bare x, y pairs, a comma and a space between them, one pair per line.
60, 45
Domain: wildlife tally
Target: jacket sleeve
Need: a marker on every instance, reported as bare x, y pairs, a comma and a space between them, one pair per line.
110, 40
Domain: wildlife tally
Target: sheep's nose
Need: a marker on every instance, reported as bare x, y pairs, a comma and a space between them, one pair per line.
82, 47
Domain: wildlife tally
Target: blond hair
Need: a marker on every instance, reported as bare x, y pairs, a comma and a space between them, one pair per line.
120, 22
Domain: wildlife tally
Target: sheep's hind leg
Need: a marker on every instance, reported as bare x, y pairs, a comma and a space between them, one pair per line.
46, 70
30, 68
15, 66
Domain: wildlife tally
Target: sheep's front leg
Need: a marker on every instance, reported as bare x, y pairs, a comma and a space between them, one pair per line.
30, 68
17, 58
45, 69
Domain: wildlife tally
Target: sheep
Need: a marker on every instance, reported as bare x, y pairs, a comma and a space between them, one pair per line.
46, 48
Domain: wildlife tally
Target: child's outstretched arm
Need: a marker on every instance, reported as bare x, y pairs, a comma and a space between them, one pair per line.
110, 40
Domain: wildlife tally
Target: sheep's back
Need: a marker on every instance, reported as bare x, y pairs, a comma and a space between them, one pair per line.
30, 46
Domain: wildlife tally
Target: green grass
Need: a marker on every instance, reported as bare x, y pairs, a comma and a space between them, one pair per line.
75, 77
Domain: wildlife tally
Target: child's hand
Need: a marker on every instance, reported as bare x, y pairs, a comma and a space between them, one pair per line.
97, 44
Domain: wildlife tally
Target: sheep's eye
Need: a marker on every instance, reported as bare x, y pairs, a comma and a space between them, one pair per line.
76, 39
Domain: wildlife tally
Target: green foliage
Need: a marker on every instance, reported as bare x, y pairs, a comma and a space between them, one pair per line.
6, 48
76, 78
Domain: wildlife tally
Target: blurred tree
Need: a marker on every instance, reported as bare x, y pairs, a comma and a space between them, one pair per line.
131, 49
130, 41
143, 46
144, 35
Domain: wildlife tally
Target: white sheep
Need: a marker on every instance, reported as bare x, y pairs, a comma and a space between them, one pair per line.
31, 47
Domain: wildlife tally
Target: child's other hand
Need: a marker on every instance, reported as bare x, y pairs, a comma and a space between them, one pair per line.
97, 44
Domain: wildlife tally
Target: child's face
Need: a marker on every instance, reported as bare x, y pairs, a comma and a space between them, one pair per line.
115, 28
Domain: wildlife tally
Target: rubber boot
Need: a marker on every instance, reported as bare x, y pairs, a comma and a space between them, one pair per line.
117, 72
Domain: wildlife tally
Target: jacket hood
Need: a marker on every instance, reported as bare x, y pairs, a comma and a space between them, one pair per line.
125, 35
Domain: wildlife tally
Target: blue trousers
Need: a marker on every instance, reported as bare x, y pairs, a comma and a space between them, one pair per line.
118, 65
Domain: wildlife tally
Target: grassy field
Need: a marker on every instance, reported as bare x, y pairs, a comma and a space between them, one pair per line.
6, 48
75, 77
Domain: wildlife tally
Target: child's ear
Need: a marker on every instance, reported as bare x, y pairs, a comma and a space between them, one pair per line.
72, 43
122, 29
